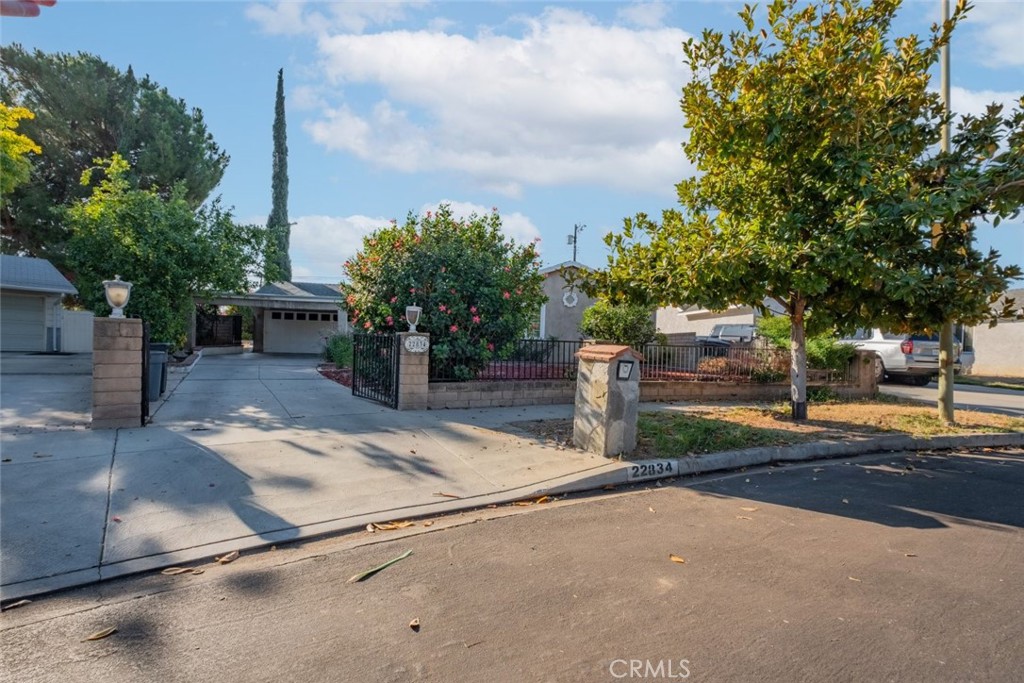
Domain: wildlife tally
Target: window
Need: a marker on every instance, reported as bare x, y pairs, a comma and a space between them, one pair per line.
289, 316
326, 317
300, 316
334, 317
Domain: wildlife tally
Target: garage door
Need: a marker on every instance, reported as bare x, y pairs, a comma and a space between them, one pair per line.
22, 323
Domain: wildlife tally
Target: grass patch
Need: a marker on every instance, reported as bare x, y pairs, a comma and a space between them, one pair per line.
674, 435
991, 383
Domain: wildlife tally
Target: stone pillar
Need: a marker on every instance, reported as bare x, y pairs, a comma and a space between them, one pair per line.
116, 373
413, 370
607, 399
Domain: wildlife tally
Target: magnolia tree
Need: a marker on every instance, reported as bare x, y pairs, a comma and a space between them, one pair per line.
479, 291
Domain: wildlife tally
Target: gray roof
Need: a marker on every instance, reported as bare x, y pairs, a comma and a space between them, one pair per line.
32, 275
300, 289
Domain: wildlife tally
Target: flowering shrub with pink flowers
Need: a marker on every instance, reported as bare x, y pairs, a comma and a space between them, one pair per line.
479, 290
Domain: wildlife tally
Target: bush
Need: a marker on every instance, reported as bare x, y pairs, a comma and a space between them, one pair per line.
620, 324
824, 352
479, 292
338, 350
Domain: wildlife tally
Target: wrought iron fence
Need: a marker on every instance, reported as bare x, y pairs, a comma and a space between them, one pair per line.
710, 362
375, 364
524, 359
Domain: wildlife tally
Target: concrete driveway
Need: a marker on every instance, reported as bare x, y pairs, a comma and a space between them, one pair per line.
248, 450
965, 397
45, 391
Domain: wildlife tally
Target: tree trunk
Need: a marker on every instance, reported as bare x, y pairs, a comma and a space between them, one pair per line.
798, 363
947, 357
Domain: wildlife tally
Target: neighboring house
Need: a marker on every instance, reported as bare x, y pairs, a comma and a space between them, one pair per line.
290, 317
999, 350
31, 316
561, 315
700, 321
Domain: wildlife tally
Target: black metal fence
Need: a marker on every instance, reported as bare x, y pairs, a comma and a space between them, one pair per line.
218, 330
375, 365
525, 359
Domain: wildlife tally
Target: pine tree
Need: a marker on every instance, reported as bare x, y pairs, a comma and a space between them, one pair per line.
279, 264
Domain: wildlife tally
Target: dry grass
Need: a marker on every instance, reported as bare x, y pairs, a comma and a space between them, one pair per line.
676, 433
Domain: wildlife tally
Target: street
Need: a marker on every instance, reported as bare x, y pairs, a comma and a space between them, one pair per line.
887, 567
965, 397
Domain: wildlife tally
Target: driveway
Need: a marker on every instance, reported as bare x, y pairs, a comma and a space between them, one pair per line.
248, 450
45, 391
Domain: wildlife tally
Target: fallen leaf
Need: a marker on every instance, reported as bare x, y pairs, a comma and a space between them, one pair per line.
370, 572
677, 559
413, 451
846, 501
651, 509
230, 557
174, 571
116, 518
523, 503
100, 635
392, 526
853, 579
371, 528
415, 625
198, 571
428, 524
446, 495
749, 509
542, 499
743, 517
15, 605
909, 555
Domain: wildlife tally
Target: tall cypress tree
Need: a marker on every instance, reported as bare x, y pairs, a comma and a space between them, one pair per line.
279, 264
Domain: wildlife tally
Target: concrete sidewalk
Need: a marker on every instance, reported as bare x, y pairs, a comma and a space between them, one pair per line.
247, 450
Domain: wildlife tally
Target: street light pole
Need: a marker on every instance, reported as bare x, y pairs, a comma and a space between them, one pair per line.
946, 359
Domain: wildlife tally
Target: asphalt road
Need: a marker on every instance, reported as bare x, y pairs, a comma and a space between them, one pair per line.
965, 397
886, 568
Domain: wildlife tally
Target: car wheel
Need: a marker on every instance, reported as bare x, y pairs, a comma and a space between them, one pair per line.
879, 370
918, 380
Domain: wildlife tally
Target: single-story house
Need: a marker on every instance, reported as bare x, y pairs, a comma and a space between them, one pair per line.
31, 316
695, 320
999, 350
289, 317
561, 315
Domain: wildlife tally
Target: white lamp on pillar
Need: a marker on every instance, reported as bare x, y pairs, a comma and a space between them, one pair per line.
412, 316
118, 293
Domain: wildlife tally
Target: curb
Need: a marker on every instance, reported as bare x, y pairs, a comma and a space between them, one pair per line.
612, 474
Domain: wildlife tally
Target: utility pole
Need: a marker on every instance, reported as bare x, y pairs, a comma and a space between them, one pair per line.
946, 357
575, 237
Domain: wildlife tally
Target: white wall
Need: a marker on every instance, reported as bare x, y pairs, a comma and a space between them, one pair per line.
674, 320
296, 336
999, 350
77, 332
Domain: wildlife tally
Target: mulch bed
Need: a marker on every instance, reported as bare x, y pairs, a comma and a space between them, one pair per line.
342, 376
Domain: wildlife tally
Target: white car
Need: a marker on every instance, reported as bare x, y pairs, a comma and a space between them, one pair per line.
912, 358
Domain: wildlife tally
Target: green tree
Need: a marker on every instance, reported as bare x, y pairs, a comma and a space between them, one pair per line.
15, 165
808, 135
621, 323
87, 109
169, 250
479, 292
280, 266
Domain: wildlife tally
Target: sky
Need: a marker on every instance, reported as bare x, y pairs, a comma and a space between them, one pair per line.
555, 113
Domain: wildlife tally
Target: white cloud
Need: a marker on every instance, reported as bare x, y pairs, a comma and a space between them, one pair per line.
319, 245
975, 102
306, 98
647, 14
294, 17
997, 30
513, 225
568, 101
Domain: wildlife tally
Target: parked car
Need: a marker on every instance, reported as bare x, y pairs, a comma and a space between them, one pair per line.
911, 358
733, 333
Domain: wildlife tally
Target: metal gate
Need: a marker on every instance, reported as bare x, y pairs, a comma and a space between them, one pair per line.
375, 367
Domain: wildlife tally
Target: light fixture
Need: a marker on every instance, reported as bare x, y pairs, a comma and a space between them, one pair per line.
412, 316
118, 293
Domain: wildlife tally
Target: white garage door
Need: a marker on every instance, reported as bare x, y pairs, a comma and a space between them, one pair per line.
22, 323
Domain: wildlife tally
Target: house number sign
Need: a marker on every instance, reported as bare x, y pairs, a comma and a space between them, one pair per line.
417, 344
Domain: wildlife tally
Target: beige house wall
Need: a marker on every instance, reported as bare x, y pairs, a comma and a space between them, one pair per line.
999, 350
675, 321
559, 320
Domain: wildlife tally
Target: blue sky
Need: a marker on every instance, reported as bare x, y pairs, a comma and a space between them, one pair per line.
556, 113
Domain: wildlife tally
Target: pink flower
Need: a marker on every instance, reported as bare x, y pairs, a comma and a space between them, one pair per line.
394, 299
453, 328
412, 290
507, 295
472, 309
536, 239
490, 347
519, 290
442, 308
367, 325
390, 320
508, 269
476, 318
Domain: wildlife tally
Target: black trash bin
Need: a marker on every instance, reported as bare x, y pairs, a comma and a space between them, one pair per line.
157, 363
166, 348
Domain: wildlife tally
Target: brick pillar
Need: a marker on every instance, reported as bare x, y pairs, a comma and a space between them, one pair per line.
116, 373
413, 369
